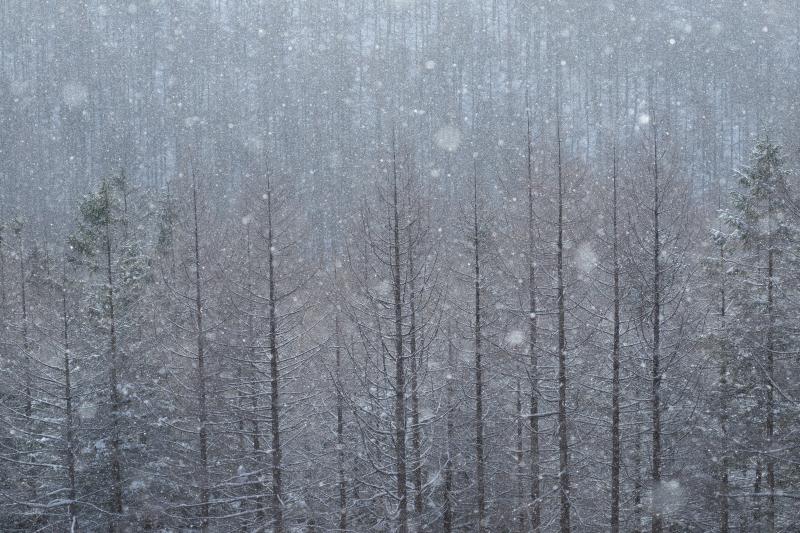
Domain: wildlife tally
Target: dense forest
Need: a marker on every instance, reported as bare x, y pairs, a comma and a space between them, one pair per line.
400, 265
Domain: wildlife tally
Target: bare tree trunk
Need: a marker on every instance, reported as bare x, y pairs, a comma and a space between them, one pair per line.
656, 369
24, 310
400, 379
26, 355
340, 434
757, 495
116, 453
447, 522
416, 436
256, 430
533, 325
277, 485
770, 377
2, 280
637, 479
202, 414
240, 401
563, 442
519, 514
479, 453
69, 422
615, 440
724, 512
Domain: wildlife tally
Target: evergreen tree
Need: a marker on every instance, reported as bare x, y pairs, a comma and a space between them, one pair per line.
108, 245
762, 266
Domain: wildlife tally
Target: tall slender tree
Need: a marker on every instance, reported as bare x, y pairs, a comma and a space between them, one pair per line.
69, 430
202, 379
274, 372
563, 441
533, 333
655, 363
615, 355
480, 459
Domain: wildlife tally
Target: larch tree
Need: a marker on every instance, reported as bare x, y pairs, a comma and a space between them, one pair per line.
195, 368
658, 235
274, 287
533, 334
480, 459
393, 309
563, 439
615, 354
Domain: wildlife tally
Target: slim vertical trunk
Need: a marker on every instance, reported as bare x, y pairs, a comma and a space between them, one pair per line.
3, 301
259, 485
770, 362
340, 434
723, 383
202, 414
637, 479
656, 369
416, 431
563, 443
255, 429
240, 406
479, 453
2, 280
724, 512
757, 495
447, 522
615, 443
69, 422
116, 405
24, 312
399, 369
519, 517
30, 482
277, 485
533, 420
770, 376
171, 233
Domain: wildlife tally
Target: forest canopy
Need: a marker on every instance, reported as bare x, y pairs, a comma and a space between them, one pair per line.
399, 265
